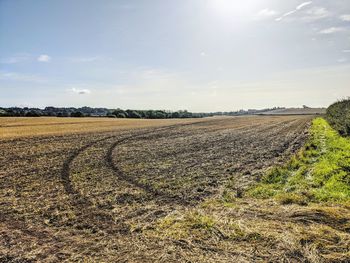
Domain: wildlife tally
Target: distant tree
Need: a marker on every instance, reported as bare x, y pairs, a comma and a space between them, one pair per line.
175, 115
149, 114
133, 114
101, 112
119, 112
32, 113
10, 112
145, 114
121, 115
160, 115
111, 115
63, 114
3, 113
50, 114
185, 114
77, 114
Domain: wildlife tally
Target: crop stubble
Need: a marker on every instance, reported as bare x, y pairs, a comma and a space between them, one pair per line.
90, 195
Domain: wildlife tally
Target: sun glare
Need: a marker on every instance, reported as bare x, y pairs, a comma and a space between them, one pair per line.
231, 7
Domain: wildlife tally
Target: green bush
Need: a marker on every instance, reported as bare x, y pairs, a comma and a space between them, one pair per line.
338, 116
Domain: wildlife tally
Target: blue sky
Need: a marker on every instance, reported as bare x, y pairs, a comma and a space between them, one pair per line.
200, 55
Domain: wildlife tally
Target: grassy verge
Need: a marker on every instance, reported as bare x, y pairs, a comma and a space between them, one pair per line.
320, 172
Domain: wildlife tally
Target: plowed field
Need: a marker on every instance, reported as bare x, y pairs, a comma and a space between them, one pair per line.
97, 192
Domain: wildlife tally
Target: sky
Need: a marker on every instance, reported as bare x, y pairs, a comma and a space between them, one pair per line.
199, 55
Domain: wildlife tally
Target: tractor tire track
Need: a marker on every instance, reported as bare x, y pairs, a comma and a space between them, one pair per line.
66, 167
165, 198
161, 196
83, 203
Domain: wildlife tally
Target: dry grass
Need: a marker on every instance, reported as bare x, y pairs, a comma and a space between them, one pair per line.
252, 230
15, 127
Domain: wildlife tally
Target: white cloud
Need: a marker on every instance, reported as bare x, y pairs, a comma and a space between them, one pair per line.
44, 58
342, 60
299, 7
345, 17
203, 54
289, 13
316, 13
303, 5
81, 91
346, 50
285, 15
20, 77
266, 12
332, 30
15, 59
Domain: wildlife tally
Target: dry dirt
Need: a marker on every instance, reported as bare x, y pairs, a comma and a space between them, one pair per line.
108, 194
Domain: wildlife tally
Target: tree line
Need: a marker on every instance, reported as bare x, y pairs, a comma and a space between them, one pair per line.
98, 112
116, 113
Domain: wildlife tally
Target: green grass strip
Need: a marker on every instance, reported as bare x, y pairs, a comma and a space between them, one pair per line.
319, 172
